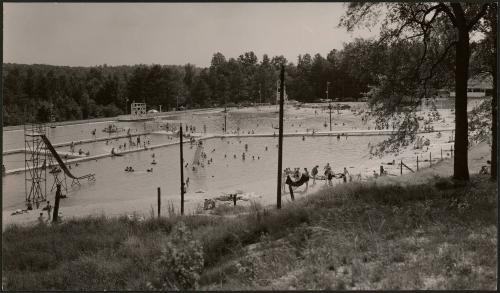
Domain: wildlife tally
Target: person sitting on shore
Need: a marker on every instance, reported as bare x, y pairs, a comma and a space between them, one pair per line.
41, 220
484, 170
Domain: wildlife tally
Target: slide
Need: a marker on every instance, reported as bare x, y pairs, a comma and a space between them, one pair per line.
63, 165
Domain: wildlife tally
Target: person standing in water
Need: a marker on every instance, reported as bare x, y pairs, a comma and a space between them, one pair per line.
314, 173
329, 177
306, 177
345, 174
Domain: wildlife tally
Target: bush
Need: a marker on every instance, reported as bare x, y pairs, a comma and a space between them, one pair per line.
181, 261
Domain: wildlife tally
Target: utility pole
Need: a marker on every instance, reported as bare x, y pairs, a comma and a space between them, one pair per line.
260, 94
182, 171
225, 115
329, 104
280, 143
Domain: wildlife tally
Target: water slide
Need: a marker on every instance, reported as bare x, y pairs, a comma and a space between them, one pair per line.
63, 165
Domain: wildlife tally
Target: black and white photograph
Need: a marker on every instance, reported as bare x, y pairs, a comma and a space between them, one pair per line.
249, 146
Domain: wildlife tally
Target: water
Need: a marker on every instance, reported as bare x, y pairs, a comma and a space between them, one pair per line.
260, 120
224, 174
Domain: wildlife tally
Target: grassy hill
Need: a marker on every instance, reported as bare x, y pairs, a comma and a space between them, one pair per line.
431, 233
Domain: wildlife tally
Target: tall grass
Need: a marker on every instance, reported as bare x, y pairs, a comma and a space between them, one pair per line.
346, 237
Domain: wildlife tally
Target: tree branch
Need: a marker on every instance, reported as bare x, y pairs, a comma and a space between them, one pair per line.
448, 12
433, 67
481, 13
459, 15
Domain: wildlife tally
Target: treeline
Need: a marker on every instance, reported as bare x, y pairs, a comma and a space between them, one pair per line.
32, 92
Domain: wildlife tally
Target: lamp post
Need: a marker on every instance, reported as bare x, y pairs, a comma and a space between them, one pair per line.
225, 115
329, 104
260, 95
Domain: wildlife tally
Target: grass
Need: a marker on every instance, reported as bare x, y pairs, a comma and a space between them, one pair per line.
437, 234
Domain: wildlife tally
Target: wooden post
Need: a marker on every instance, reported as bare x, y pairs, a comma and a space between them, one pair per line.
441, 153
430, 159
182, 171
280, 139
55, 216
159, 202
401, 167
417, 162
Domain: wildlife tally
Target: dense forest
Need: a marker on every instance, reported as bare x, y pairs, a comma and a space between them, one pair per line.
31, 92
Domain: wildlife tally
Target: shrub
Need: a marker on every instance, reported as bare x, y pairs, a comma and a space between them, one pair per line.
181, 261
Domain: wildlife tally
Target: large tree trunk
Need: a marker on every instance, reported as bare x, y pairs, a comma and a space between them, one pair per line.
494, 127
460, 163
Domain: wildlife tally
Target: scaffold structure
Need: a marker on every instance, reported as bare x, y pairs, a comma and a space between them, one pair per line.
35, 164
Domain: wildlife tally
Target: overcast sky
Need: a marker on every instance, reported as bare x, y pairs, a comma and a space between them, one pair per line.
87, 34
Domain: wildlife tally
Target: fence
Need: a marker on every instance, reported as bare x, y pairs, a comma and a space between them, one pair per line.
422, 161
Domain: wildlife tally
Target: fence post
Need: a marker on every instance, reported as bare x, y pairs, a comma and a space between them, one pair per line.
441, 153
417, 162
55, 216
430, 159
159, 202
401, 167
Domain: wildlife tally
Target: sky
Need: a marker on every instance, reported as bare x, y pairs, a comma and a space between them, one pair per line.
89, 34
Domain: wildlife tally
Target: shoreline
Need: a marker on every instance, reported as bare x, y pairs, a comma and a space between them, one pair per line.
215, 136
194, 200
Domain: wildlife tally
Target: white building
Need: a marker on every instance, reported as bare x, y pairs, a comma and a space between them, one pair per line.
478, 86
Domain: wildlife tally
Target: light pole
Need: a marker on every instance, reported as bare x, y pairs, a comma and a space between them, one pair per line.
329, 104
260, 95
225, 115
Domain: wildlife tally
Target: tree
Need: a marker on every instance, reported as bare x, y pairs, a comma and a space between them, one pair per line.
427, 23
484, 62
